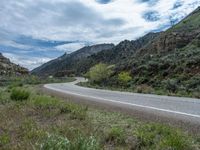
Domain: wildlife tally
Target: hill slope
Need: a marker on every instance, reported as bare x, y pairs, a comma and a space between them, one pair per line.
66, 63
169, 64
9, 68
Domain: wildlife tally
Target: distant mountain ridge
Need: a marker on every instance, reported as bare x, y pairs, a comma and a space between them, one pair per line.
9, 68
67, 62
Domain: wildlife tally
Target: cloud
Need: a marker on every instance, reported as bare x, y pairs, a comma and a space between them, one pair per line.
178, 4
103, 1
151, 16
149, 2
48, 28
25, 61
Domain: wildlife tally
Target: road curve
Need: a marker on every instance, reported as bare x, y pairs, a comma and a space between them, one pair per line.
183, 109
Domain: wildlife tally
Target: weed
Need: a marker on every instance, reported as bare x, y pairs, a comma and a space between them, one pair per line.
155, 136
4, 139
55, 142
116, 135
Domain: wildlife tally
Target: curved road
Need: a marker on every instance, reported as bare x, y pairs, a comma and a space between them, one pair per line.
182, 109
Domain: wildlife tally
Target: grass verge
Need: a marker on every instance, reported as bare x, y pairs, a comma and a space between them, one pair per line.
44, 122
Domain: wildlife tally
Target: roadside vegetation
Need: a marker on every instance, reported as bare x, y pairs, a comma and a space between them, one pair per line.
29, 119
32, 80
177, 73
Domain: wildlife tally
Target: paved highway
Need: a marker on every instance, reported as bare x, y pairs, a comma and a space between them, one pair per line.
187, 109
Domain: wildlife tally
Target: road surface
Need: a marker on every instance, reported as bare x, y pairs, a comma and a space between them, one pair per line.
182, 109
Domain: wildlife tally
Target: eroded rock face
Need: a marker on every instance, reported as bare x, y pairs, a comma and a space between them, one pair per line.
9, 68
168, 42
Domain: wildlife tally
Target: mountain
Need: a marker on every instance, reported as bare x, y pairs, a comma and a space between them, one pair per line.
127, 53
66, 63
9, 68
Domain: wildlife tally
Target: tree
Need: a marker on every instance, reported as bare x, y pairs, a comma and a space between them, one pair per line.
124, 77
99, 72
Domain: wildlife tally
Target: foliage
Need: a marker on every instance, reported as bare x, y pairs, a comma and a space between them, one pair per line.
124, 78
100, 72
18, 94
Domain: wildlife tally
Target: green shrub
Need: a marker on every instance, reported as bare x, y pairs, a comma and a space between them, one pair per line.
155, 136
124, 78
18, 94
171, 85
116, 135
99, 72
55, 142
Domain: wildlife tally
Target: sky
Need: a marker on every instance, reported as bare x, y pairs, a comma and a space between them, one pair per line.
33, 32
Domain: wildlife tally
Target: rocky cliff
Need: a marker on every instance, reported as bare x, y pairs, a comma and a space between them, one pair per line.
9, 68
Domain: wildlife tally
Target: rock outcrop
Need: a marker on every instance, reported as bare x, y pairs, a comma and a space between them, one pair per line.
9, 68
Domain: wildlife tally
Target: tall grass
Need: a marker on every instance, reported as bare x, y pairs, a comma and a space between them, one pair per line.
55, 142
18, 94
156, 136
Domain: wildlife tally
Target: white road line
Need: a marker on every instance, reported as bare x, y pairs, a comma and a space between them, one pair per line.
125, 103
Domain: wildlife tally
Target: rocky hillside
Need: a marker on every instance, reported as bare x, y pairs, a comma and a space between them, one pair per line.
126, 53
176, 37
66, 63
9, 68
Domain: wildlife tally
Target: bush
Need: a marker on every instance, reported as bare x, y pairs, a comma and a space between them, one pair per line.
99, 72
171, 85
19, 94
54, 142
124, 78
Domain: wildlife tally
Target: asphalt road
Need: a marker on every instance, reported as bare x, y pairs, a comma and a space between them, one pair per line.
182, 109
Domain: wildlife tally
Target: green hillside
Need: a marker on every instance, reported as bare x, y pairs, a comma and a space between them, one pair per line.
161, 63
